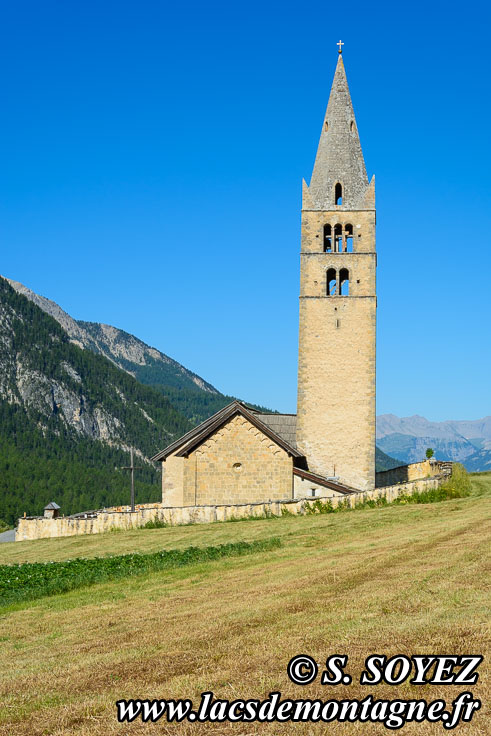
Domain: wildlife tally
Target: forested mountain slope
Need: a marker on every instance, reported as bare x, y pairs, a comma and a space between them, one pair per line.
384, 461
68, 417
189, 393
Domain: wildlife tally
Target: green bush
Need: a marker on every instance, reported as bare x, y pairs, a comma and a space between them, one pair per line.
155, 523
458, 485
266, 515
322, 507
373, 503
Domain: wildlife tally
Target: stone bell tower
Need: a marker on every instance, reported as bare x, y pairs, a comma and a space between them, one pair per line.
336, 368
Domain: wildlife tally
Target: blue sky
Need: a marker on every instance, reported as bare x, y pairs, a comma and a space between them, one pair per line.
150, 177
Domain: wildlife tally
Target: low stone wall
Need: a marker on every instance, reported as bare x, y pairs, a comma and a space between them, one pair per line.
413, 471
105, 521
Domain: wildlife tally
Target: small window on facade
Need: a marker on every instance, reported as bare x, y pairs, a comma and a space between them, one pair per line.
326, 126
327, 239
344, 282
331, 281
338, 194
352, 126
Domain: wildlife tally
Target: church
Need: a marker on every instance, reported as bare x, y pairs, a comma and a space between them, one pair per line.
240, 455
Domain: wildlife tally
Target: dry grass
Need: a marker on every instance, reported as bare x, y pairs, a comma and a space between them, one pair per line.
152, 540
407, 579
137, 540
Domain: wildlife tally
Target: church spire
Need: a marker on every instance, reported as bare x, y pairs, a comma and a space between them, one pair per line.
339, 169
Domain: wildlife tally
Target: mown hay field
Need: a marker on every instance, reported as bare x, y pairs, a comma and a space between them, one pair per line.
402, 579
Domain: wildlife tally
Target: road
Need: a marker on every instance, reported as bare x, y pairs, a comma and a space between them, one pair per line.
8, 536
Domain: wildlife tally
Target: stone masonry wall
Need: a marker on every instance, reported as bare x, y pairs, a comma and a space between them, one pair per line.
413, 471
104, 521
173, 481
336, 367
238, 464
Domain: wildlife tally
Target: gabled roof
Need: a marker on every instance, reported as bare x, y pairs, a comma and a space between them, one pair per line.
52, 506
189, 441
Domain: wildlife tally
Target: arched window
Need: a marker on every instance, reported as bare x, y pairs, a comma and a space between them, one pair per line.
344, 282
338, 194
331, 281
327, 239
348, 233
338, 238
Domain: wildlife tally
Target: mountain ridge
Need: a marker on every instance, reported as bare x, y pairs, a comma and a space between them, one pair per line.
466, 428
195, 398
461, 440
119, 346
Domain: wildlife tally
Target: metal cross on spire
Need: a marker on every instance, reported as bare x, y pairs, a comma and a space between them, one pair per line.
340, 44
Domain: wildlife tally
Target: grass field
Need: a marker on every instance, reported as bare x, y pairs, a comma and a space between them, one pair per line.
401, 579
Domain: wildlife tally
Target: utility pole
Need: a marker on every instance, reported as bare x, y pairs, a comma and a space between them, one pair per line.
132, 468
